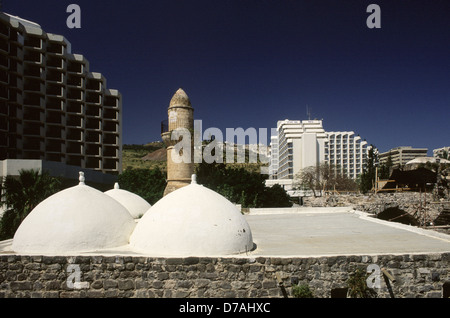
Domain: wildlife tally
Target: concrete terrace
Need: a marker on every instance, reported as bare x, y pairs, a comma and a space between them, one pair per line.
337, 231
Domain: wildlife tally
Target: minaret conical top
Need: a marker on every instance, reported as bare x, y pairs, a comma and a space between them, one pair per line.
180, 98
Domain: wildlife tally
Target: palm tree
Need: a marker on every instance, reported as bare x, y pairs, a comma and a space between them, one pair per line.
21, 195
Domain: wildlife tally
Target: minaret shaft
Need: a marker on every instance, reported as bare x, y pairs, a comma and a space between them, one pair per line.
180, 115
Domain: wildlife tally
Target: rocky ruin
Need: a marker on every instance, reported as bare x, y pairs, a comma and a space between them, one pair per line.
423, 207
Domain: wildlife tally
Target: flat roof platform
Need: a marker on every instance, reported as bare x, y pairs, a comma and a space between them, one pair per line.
315, 232
338, 231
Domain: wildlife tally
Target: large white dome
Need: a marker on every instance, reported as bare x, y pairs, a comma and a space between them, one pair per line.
135, 204
192, 221
77, 219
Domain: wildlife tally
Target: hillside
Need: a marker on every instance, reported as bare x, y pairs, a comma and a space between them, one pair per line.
148, 156
153, 155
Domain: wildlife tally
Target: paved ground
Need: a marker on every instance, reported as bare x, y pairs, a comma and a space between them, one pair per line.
324, 232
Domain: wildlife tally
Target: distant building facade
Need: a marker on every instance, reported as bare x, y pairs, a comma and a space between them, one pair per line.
273, 164
303, 144
399, 156
300, 144
52, 108
347, 152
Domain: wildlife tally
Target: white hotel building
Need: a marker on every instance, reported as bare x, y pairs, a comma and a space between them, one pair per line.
302, 144
347, 153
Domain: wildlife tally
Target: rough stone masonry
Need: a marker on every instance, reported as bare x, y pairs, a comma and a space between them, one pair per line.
420, 275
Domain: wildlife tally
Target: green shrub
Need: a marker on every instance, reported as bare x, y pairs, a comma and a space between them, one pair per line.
302, 291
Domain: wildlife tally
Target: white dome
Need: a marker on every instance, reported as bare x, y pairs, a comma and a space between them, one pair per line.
424, 160
77, 219
135, 204
192, 221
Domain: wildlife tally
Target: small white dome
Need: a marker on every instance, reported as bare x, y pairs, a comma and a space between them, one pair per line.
192, 221
77, 219
135, 204
424, 160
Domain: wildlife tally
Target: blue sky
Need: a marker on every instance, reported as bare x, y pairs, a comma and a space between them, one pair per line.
249, 63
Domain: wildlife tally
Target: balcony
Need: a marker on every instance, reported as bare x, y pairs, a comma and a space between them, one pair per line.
93, 124
55, 76
93, 85
93, 137
74, 148
74, 80
93, 163
33, 42
111, 101
93, 111
55, 48
109, 126
55, 62
110, 164
54, 118
110, 114
55, 90
34, 100
110, 139
110, 152
33, 56
93, 150
74, 121
94, 98
74, 94
33, 71
54, 132
75, 67
54, 103
53, 146
74, 135
74, 107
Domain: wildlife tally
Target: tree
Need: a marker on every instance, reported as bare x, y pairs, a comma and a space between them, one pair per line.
241, 186
275, 197
21, 195
368, 175
147, 183
308, 178
357, 285
385, 169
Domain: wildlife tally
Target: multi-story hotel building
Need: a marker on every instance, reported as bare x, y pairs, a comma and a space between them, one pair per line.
347, 153
401, 155
300, 144
303, 144
52, 108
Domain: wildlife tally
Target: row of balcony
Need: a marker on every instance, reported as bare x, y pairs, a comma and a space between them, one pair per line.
32, 42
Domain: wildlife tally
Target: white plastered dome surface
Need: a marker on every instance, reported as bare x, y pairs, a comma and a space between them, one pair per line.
192, 221
135, 204
77, 219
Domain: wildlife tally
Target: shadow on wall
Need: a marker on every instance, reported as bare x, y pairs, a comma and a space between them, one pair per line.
397, 215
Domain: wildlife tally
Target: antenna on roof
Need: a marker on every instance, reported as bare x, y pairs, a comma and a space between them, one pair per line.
308, 112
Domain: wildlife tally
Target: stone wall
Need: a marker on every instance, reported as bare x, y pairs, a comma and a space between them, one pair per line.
415, 203
209, 277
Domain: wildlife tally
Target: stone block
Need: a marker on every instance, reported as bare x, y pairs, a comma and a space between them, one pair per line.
126, 284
